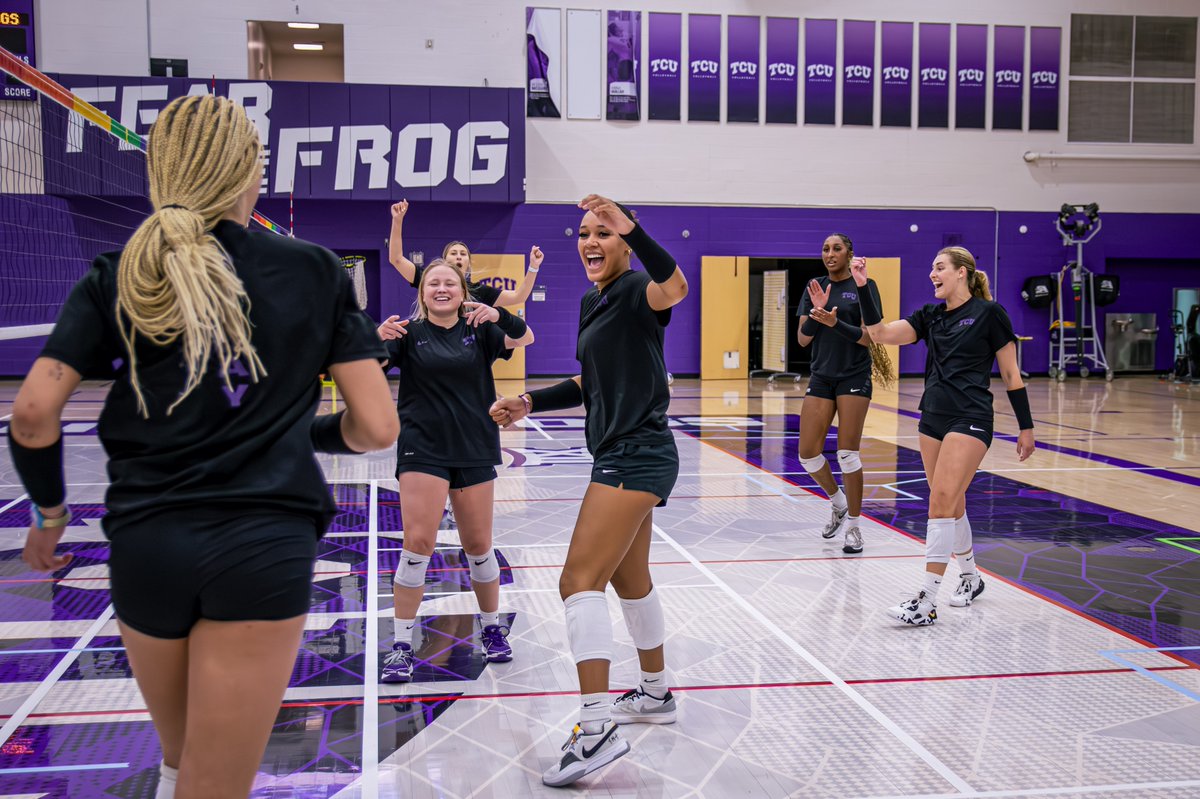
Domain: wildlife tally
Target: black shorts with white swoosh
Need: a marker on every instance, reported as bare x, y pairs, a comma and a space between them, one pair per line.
652, 468
831, 389
939, 425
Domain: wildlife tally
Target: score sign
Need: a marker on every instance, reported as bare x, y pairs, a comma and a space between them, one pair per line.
16, 36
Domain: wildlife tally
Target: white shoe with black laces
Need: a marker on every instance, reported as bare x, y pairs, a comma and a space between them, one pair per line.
919, 611
635, 706
584, 753
969, 587
835, 522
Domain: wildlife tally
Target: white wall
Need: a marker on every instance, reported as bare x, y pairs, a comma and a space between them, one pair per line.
704, 163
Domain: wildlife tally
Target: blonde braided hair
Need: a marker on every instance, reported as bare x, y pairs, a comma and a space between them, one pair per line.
882, 368
175, 280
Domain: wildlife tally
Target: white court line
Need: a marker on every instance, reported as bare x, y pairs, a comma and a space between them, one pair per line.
14, 502
505, 591
536, 425
1068, 791
39, 693
370, 727
791, 643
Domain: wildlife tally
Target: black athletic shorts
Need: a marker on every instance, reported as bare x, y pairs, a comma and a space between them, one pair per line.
457, 476
174, 568
938, 425
652, 468
858, 386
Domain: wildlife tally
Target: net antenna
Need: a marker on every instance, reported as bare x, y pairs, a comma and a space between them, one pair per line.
69, 190
356, 268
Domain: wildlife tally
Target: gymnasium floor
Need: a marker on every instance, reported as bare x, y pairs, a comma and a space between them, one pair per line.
1075, 674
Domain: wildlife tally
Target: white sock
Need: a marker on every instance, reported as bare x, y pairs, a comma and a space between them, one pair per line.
489, 619
852, 521
654, 683
594, 711
167, 778
402, 630
933, 582
966, 563
839, 500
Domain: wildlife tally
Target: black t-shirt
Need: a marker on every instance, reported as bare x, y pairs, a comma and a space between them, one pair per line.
482, 292
446, 389
834, 356
243, 449
962, 347
620, 350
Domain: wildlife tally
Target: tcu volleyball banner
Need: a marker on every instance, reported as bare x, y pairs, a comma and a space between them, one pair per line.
970, 76
895, 70
743, 50
322, 140
1045, 58
820, 56
624, 53
858, 72
543, 61
933, 87
1008, 91
783, 55
664, 40
704, 68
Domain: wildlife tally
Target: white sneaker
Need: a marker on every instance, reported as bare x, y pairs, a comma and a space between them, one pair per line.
969, 587
853, 543
638, 707
835, 522
583, 754
918, 612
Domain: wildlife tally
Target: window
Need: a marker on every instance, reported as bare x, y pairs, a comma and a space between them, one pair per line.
1133, 79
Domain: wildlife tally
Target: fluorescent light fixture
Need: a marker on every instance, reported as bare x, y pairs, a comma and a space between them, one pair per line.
308, 26
308, 46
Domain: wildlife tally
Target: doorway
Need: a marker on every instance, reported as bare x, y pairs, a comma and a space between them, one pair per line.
798, 272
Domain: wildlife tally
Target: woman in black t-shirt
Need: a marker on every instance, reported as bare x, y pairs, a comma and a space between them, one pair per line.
448, 447
459, 256
215, 502
843, 360
964, 334
623, 387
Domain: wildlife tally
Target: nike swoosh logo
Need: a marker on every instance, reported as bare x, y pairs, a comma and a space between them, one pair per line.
414, 563
591, 704
589, 752
480, 562
609, 471
855, 390
976, 429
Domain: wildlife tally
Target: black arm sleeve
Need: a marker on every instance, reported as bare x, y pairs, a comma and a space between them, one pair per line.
658, 262
41, 471
558, 397
326, 434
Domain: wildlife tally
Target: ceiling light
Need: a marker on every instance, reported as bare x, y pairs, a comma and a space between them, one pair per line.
308, 46
308, 26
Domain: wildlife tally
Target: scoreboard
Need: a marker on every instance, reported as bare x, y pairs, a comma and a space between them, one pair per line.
16, 36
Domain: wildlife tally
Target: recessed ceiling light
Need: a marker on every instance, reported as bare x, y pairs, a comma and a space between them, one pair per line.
308, 46
308, 26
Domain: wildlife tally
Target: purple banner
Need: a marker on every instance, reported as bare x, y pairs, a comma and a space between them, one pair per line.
858, 72
895, 101
325, 140
1008, 90
970, 76
933, 87
1045, 60
16, 30
624, 53
704, 68
743, 49
543, 62
820, 63
665, 37
783, 59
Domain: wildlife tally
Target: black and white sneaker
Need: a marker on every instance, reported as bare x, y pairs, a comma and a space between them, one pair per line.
853, 543
583, 754
835, 522
919, 612
969, 587
635, 706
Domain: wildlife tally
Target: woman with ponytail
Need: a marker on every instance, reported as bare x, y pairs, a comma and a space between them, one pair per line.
843, 362
965, 333
213, 340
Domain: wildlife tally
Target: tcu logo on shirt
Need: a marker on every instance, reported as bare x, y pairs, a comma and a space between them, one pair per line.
849, 295
1008, 77
933, 75
820, 70
966, 322
781, 70
468, 340
895, 73
704, 66
664, 66
970, 76
1044, 78
239, 381
861, 71
743, 68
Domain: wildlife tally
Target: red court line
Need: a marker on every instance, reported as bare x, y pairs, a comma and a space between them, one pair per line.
393, 700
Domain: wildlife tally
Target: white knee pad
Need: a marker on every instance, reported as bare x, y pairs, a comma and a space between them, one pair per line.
848, 460
962, 535
644, 620
410, 571
813, 465
939, 540
589, 629
484, 568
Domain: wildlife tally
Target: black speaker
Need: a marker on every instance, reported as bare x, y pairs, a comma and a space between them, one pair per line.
1039, 291
1107, 288
168, 68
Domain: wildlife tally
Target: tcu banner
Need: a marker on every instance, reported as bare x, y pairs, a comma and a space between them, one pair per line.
1008, 89
933, 88
895, 100
820, 59
970, 76
321, 140
858, 72
543, 61
783, 59
743, 49
1045, 56
664, 37
704, 68
624, 53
